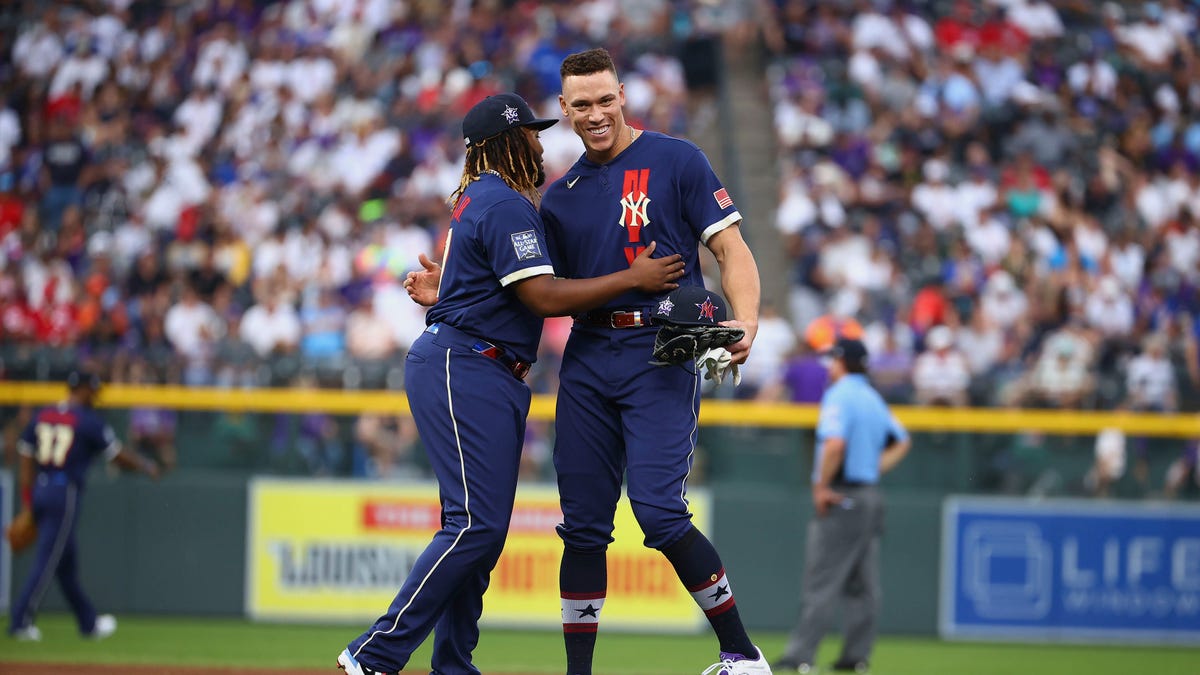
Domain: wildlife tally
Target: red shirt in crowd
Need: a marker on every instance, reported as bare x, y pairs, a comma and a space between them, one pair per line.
57, 324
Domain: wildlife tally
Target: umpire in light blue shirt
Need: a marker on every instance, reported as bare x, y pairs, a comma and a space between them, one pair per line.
858, 440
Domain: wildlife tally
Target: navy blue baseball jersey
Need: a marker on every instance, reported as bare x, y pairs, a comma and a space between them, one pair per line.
64, 439
599, 217
496, 239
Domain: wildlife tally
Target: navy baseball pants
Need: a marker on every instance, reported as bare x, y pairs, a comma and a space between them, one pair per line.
470, 412
618, 416
56, 510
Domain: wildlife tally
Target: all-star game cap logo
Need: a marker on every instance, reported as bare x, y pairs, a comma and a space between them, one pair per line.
511, 115
692, 306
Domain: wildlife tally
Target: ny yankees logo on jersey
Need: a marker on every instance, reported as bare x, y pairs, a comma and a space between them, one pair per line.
634, 205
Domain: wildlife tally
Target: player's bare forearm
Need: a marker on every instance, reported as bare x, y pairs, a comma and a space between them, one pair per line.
135, 462
833, 451
546, 295
742, 287
892, 455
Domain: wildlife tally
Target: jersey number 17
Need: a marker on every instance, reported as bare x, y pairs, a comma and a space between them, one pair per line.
54, 441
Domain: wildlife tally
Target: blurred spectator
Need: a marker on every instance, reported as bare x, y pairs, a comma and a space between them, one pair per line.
1183, 473
891, 361
775, 341
941, 375
323, 327
1109, 464
152, 430
1003, 304
1060, 377
271, 327
193, 328
1150, 378
384, 447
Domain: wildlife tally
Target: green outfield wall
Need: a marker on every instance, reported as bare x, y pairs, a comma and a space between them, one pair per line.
179, 546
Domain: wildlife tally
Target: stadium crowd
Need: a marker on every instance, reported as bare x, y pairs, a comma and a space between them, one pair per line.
1002, 196
227, 191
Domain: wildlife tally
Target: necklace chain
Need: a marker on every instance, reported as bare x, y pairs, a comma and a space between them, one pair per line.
493, 172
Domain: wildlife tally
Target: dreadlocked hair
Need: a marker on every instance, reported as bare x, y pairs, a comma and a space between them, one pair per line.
508, 154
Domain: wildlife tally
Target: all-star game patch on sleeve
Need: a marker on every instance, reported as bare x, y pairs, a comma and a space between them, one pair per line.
708, 208
516, 242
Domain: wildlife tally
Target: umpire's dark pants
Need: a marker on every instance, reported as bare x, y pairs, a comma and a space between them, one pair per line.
841, 566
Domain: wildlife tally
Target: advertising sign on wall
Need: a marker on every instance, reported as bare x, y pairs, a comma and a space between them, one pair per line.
331, 551
1065, 570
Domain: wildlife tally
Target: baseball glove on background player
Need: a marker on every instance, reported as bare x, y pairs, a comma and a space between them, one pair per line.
22, 531
690, 330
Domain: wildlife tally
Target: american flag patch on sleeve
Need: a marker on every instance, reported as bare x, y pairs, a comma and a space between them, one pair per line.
722, 198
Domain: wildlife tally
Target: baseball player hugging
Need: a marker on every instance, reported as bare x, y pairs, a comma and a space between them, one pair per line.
464, 379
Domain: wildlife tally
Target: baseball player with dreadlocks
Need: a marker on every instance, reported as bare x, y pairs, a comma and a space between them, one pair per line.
464, 378
618, 415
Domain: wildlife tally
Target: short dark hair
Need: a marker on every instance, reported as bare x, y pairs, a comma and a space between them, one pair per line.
856, 367
591, 61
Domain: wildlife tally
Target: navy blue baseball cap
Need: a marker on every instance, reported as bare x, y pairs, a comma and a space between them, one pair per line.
499, 113
851, 352
691, 306
81, 378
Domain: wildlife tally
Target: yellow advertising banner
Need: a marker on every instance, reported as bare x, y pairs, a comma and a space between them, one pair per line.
339, 551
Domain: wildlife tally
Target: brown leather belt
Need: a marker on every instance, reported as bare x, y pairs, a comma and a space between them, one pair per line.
633, 318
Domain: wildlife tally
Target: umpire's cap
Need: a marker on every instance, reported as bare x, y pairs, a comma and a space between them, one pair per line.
691, 306
83, 378
851, 352
498, 113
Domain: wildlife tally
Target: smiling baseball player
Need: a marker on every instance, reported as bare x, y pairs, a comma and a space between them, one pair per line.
618, 416
464, 379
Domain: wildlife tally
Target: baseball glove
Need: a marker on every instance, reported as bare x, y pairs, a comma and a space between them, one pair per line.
677, 344
22, 531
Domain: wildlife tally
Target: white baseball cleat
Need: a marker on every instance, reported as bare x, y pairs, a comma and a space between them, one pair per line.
348, 663
106, 625
29, 633
736, 664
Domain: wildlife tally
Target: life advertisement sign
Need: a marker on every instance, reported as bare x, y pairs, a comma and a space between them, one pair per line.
1070, 571
334, 551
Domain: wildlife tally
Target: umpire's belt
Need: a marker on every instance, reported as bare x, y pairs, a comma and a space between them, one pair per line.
452, 335
624, 318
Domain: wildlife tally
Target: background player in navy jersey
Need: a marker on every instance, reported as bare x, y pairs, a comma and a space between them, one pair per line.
57, 448
464, 378
617, 415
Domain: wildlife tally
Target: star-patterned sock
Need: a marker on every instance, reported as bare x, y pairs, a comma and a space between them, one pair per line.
699, 568
583, 583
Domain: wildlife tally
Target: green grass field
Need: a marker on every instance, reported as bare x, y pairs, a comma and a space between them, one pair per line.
227, 642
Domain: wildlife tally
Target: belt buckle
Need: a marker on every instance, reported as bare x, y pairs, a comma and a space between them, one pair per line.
634, 319
520, 369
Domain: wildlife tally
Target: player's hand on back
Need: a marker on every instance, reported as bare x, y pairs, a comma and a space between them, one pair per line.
656, 275
422, 286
